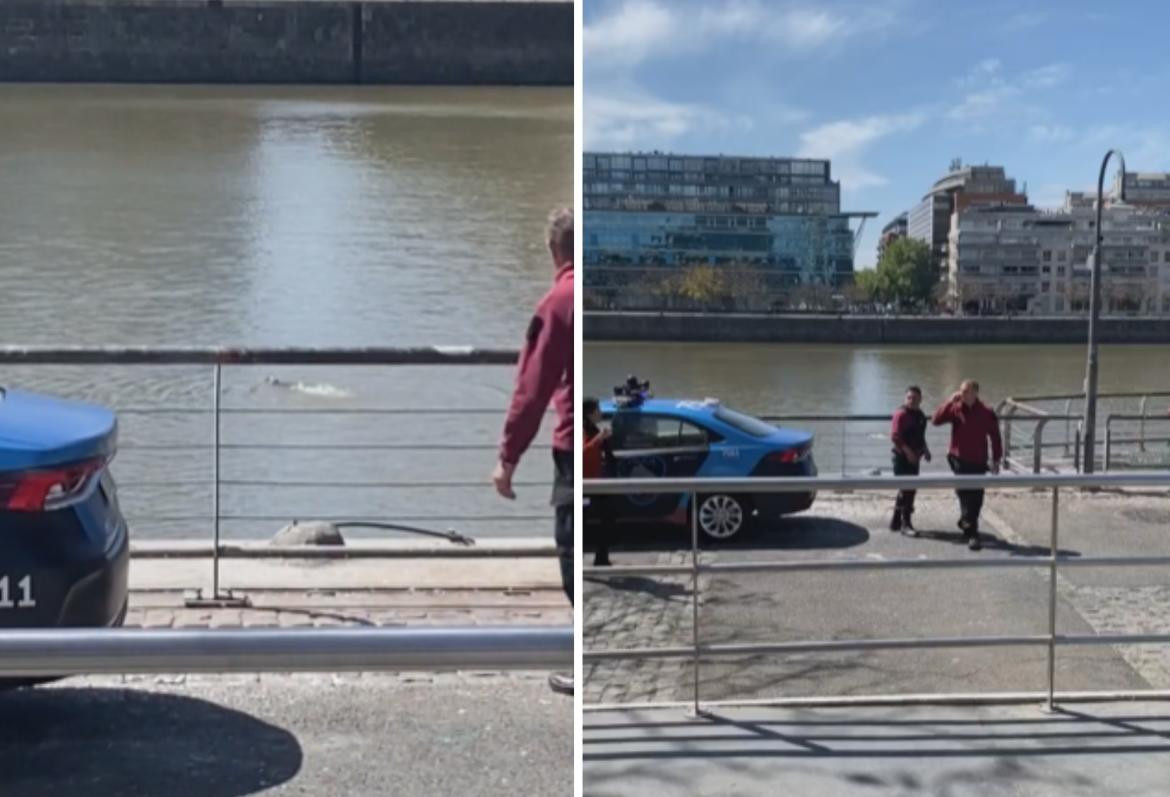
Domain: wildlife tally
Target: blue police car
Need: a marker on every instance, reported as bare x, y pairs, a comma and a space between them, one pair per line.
64, 545
654, 437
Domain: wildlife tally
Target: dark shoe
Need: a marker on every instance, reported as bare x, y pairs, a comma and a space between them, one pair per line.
561, 684
964, 526
896, 521
602, 560
973, 542
908, 527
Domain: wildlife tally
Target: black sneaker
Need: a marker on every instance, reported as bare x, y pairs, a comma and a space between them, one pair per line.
896, 521
602, 560
973, 542
561, 684
964, 526
908, 527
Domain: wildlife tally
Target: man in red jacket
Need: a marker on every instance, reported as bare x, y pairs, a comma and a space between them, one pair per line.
973, 423
544, 374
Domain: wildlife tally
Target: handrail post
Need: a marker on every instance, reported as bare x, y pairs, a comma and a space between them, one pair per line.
844, 450
1077, 450
695, 597
217, 597
1007, 430
215, 391
1108, 442
1067, 424
1141, 426
1037, 445
1052, 601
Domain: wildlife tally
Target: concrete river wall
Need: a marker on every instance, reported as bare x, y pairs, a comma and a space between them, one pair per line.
477, 42
743, 328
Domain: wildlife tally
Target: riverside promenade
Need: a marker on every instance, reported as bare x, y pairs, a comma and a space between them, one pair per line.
406, 733
840, 723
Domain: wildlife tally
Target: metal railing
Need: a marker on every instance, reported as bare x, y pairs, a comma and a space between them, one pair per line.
44, 653
216, 359
1025, 408
693, 487
1137, 437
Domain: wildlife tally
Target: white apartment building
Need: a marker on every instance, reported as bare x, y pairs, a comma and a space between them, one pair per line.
1020, 259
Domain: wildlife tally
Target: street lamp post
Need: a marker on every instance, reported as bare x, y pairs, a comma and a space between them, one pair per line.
1095, 313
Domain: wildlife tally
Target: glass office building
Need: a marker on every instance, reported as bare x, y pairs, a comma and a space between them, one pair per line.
779, 217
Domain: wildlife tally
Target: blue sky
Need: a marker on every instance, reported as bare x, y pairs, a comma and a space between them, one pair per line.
890, 90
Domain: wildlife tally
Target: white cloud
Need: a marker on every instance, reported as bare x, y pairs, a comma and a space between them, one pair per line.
640, 30
1045, 77
982, 72
1054, 133
845, 141
1025, 20
636, 120
631, 34
848, 136
991, 93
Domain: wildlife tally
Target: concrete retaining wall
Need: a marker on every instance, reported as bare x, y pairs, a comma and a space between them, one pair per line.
500, 42
741, 328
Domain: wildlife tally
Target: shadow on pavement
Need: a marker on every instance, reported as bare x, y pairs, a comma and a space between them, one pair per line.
101, 742
653, 587
994, 543
931, 755
803, 532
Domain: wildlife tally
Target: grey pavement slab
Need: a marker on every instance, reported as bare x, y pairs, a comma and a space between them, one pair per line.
774, 607
222, 736
1018, 751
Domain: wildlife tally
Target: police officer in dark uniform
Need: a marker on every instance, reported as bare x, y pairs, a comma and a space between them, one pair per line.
908, 435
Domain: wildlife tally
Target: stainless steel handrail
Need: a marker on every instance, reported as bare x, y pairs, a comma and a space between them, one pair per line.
58, 652
695, 487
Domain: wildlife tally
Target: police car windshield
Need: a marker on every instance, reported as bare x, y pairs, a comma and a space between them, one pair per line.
744, 423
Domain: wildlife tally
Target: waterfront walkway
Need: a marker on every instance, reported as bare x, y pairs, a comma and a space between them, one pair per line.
404, 733
1081, 750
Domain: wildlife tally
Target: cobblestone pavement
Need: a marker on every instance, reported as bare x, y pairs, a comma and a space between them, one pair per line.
637, 611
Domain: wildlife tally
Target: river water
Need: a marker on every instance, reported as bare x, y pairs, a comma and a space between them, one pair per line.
286, 216
785, 379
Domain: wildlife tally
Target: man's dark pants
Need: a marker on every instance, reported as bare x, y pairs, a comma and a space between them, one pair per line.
904, 503
970, 501
562, 499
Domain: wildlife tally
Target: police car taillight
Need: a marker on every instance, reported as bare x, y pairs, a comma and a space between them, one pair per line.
790, 456
48, 489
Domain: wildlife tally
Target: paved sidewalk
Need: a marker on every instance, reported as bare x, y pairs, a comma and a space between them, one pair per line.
325, 608
1083, 750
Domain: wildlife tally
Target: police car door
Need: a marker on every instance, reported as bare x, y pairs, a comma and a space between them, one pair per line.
657, 446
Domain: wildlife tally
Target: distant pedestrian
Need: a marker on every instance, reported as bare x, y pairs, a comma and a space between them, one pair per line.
544, 374
973, 424
596, 463
908, 435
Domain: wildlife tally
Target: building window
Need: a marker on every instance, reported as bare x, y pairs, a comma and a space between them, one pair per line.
1060, 271
1046, 270
1044, 286
1047, 257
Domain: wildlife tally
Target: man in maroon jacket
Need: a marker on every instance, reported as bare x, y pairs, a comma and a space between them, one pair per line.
544, 374
973, 423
